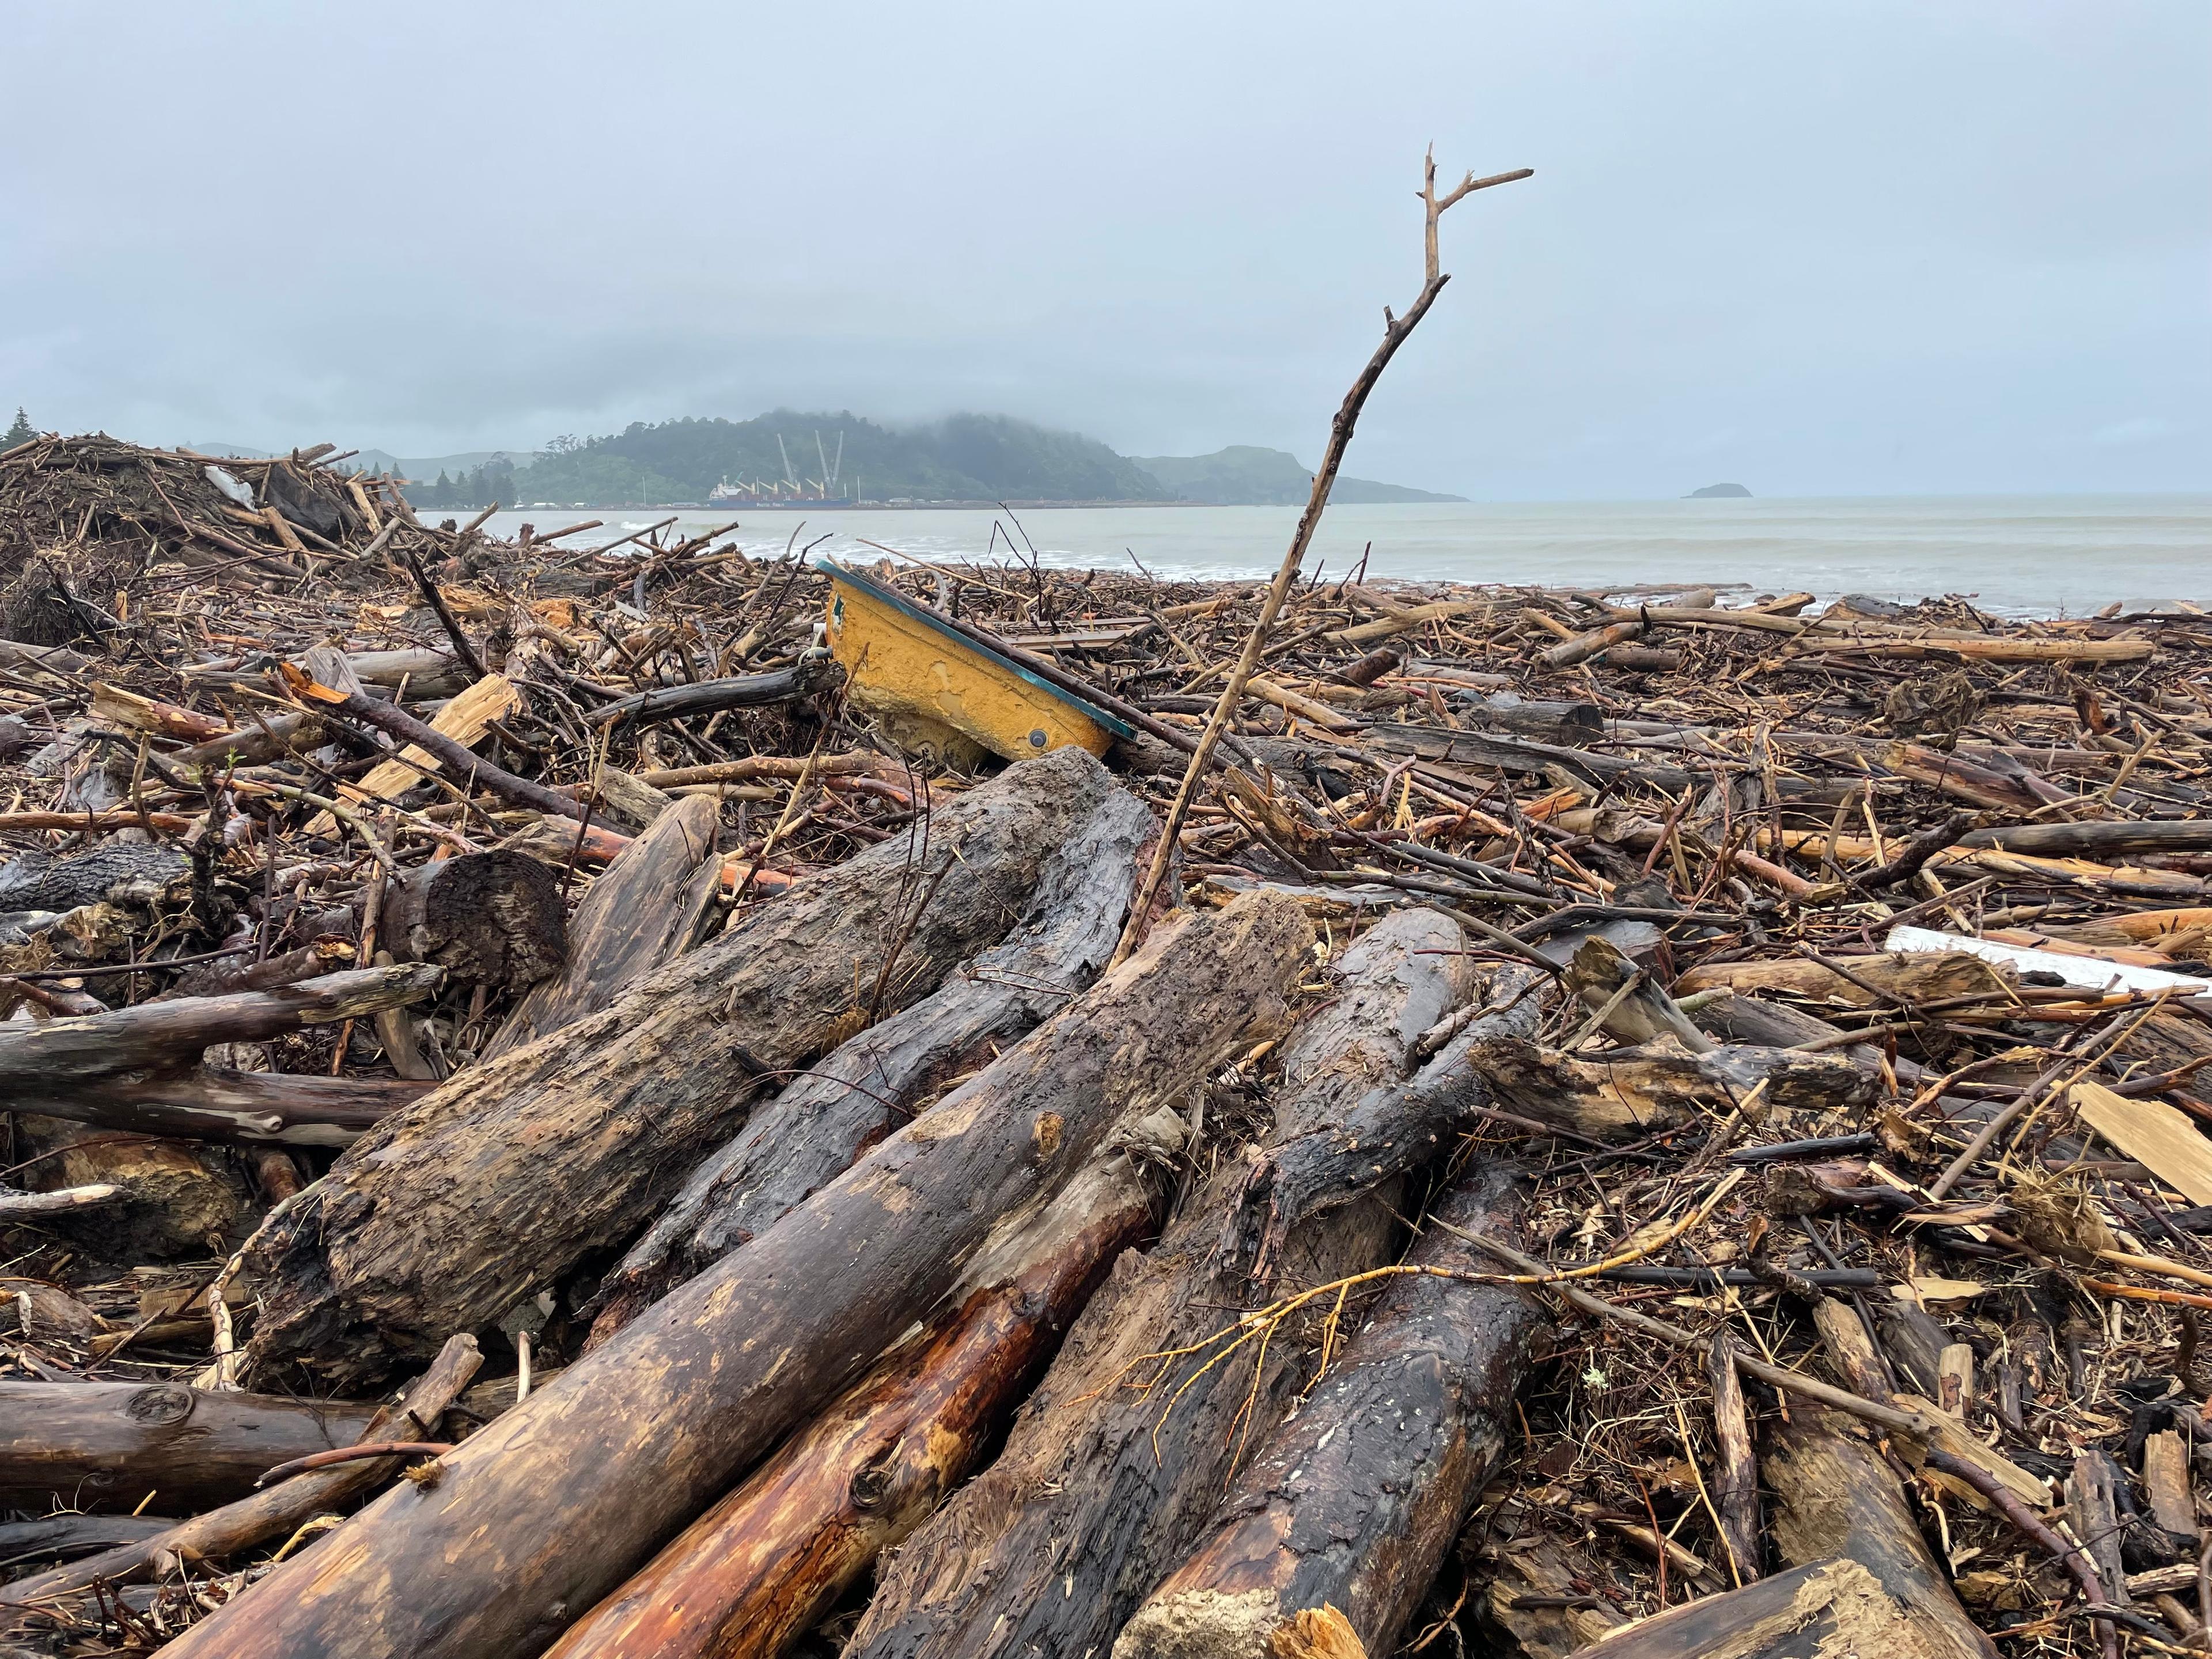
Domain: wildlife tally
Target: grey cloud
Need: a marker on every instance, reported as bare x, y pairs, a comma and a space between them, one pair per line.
1825, 248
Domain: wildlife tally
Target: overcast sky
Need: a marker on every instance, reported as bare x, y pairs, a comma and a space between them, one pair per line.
1817, 247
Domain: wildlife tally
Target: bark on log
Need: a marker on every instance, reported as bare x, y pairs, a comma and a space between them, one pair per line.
541, 1513
63, 1056
1826, 1610
1911, 978
2099, 839
1353, 1501
1051, 1548
274, 1511
1571, 723
1331, 1157
174, 1201
119, 1444
1519, 755
1835, 1496
497, 1182
759, 1570
647, 910
212, 1102
815, 1130
491, 918
59, 1537
32, 881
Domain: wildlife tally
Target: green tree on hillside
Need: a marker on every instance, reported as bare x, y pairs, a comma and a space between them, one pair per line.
22, 433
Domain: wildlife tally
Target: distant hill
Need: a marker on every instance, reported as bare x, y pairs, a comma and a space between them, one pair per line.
1714, 492
962, 458
1245, 475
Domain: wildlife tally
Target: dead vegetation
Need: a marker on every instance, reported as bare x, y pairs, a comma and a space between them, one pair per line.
1652, 1109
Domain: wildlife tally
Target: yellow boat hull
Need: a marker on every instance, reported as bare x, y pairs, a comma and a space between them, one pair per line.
918, 672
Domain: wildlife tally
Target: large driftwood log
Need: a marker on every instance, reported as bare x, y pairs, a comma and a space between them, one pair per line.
496, 1184
754, 1572
278, 1509
1835, 1496
1826, 1610
812, 1133
487, 918
120, 1444
540, 1515
646, 910
1098, 1492
1353, 1501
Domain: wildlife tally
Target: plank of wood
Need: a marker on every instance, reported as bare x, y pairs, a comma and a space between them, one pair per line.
465, 720
2156, 1135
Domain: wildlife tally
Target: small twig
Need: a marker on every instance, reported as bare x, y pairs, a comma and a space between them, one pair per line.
2031, 1527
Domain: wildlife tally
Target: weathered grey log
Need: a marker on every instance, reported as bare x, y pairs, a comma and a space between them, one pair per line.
1835, 1496
1051, 1548
1735, 1472
276, 1509
68, 1534
1833, 1609
794, 1146
211, 1102
647, 908
1633, 1091
496, 1184
493, 919
1352, 1503
1385, 1131
2097, 838
32, 881
255, 744
241, 972
59, 1056
17, 1206
539, 1515
1572, 723
674, 702
117, 1445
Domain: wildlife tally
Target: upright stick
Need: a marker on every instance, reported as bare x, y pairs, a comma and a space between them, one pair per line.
1394, 330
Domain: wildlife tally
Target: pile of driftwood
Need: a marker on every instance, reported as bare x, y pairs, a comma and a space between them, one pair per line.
538, 1128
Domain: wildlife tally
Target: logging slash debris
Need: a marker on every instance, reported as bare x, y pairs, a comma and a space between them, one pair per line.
567, 1102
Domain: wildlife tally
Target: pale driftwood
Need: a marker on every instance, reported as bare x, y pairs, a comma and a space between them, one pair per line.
1833, 1609
1834, 1496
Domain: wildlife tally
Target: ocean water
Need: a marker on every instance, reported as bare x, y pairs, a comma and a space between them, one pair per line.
2014, 555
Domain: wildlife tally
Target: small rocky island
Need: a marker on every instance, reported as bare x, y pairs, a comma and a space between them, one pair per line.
1711, 492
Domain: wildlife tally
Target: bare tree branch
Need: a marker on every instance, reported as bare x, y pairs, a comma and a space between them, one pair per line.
1395, 330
